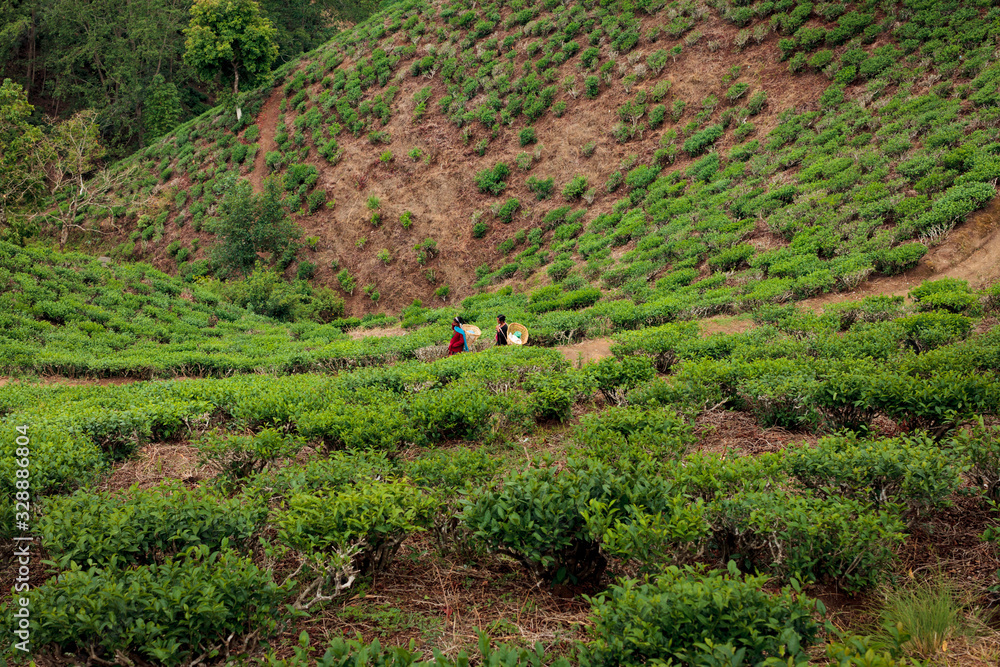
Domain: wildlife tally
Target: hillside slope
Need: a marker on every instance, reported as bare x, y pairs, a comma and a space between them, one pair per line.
771, 151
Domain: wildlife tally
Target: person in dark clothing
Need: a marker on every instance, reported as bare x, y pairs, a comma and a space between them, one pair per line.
458, 342
501, 330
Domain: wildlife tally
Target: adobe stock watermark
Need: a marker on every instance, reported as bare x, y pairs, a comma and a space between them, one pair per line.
22, 542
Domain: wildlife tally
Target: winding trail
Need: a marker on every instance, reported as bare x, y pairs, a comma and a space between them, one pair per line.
971, 252
267, 120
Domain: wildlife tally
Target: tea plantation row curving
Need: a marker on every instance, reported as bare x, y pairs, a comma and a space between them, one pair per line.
313, 496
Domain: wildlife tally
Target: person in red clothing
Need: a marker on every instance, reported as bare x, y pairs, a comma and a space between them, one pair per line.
457, 343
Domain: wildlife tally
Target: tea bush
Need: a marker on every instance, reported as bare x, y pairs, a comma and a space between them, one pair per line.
910, 471
695, 616
367, 522
134, 611
627, 432
806, 537
538, 517
493, 180
142, 527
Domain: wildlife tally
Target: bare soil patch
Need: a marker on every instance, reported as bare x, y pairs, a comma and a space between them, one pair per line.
267, 121
156, 463
440, 600
378, 332
728, 432
725, 324
580, 354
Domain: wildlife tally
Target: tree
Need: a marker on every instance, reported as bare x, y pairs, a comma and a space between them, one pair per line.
229, 39
22, 179
103, 55
162, 109
249, 224
76, 182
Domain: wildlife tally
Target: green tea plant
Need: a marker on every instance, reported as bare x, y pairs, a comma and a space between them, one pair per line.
909, 471
144, 527
697, 616
105, 612
805, 537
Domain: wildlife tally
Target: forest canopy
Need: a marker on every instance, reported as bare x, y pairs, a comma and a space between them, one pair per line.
124, 60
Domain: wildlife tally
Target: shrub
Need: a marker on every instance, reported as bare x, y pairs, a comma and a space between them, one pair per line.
937, 403
479, 230
736, 91
575, 188
356, 529
693, 616
899, 259
981, 445
807, 538
542, 187
505, 213
315, 199
614, 181
658, 343
756, 102
731, 258
912, 471
559, 270
406, 219
954, 205
274, 160
527, 136
797, 63
305, 270
588, 148
136, 609
698, 142
492, 180
347, 281
300, 174
641, 176
926, 331
621, 433
538, 516
143, 527
820, 59
930, 288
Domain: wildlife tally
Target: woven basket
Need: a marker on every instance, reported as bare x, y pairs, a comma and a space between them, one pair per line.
472, 332
511, 328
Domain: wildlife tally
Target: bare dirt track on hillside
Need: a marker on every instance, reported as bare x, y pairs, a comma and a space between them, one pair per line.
971, 252
267, 120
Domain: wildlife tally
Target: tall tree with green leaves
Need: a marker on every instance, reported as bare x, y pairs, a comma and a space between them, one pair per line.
249, 224
104, 54
162, 109
22, 160
230, 39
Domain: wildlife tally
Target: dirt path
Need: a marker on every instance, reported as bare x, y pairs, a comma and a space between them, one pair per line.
971, 252
267, 120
